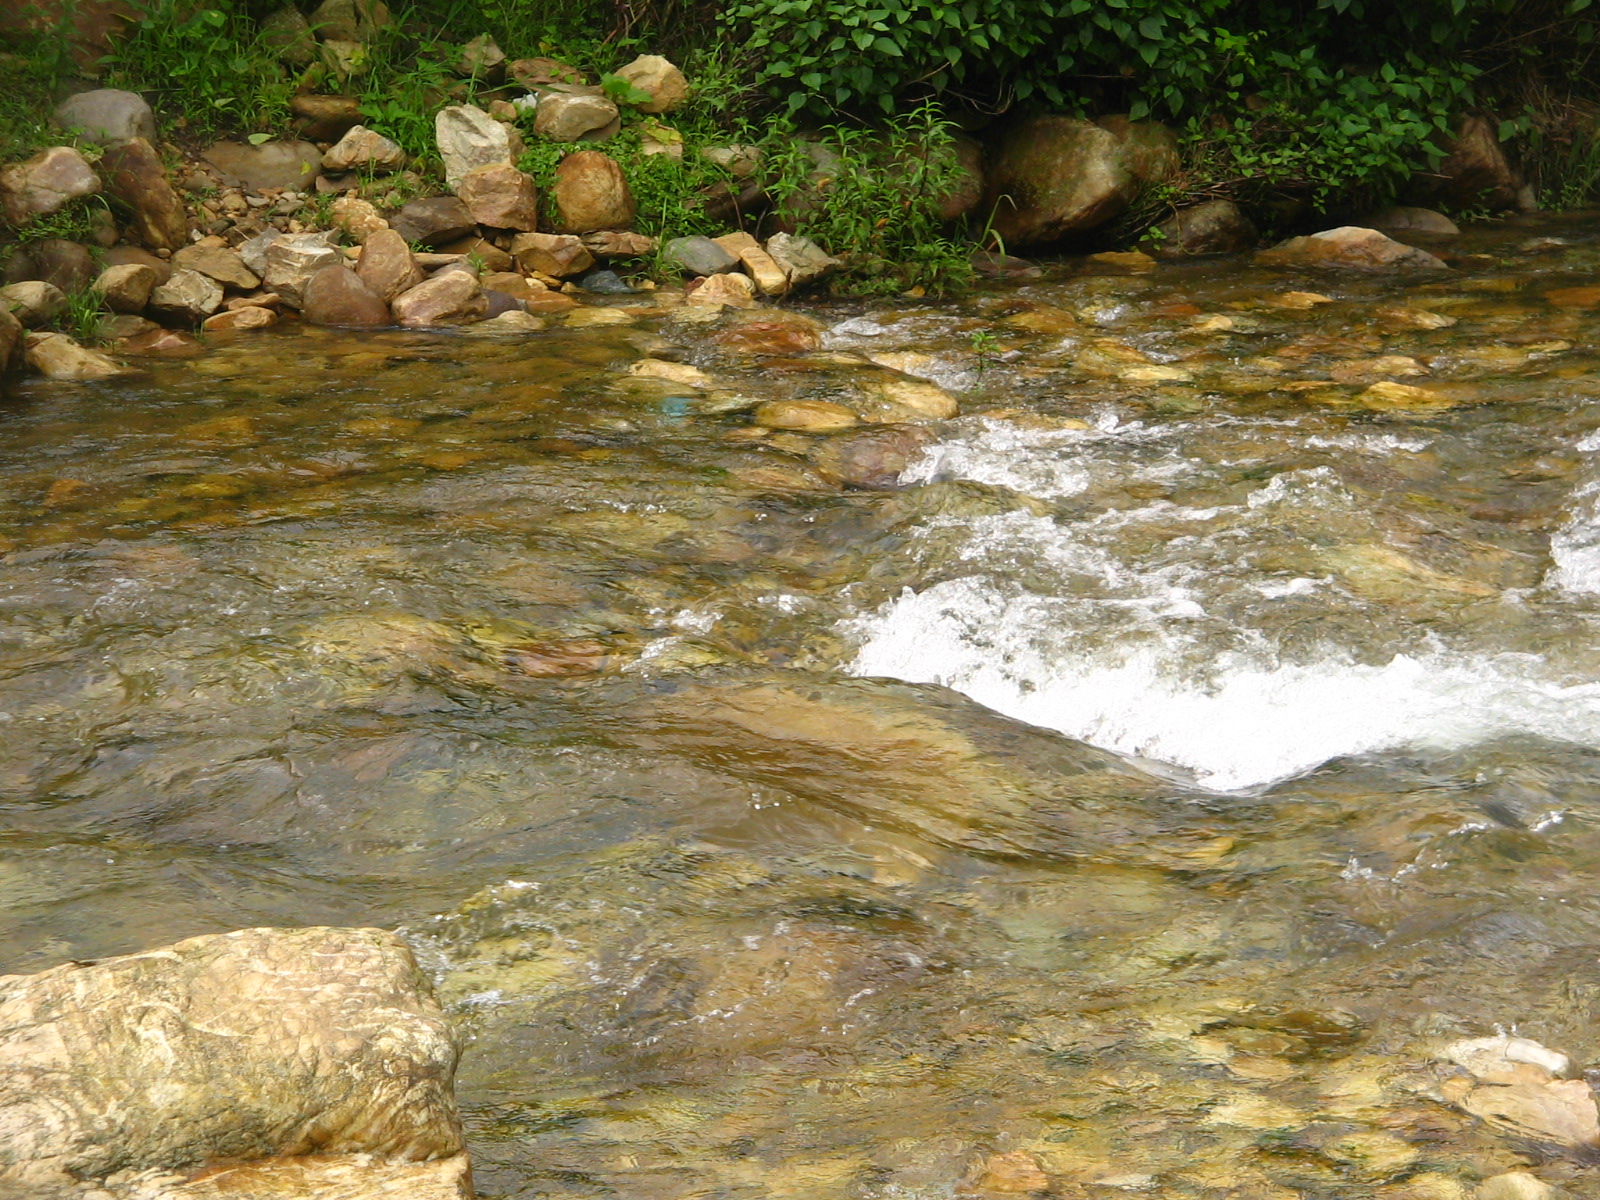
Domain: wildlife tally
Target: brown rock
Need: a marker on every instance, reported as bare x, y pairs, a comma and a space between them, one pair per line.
770, 279
126, 288
591, 193
618, 243
364, 149
293, 259
289, 165
488, 256
11, 338
731, 288
770, 332
219, 263
1215, 227
358, 218
663, 82
556, 254
119, 255
452, 297
548, 302
805, 416
239, 319
187, 298
434, 221
535, 73
326, 118
893, 398
253, 300
568, 113
136, 176
1413, 222
511, 284
114, 328
872, 458
222, 1049
481, 58
55, 356
1350, 247
45, 183
1015, 1173
33, 302
1054, 176
66, 264
500, 197
162, 343
1475, 171
337, 296
387, 266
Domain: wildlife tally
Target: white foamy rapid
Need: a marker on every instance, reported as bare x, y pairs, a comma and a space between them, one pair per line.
1173, 633
1575, 547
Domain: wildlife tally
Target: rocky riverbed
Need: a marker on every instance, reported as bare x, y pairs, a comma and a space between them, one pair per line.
1146, 747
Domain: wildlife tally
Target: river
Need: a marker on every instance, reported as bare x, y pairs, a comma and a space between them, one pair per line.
1141, 793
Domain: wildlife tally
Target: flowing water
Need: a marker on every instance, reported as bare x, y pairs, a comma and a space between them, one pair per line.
1132, 801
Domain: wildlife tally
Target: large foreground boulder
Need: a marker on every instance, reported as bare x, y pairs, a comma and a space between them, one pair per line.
222, 1050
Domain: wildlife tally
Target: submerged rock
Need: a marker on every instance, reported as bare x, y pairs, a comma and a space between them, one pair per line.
806, 416
1215, 227
872, 459
222, 1049
1350, 247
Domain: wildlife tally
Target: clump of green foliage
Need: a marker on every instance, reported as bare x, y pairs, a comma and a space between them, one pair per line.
209, 63
872, 198
31, 70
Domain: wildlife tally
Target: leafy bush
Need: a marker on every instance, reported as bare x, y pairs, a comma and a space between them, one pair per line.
208, 63
872, 198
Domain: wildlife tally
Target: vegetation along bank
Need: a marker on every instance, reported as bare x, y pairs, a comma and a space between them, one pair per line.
169, 168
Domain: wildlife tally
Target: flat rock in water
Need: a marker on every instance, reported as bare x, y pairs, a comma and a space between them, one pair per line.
873, 459
1351, 248
56, 356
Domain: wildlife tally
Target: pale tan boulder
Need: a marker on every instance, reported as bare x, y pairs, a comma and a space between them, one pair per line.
45, 183
656, 76
452, 297
556, 254
237, 320
364, 149
223, 1049
55, 356
387, 265
126, 288
729, 288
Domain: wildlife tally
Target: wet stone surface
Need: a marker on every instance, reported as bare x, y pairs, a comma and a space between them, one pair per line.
1147, 790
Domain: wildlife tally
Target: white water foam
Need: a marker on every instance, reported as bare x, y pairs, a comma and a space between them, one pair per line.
1252, 722
1174, 650
1575, 547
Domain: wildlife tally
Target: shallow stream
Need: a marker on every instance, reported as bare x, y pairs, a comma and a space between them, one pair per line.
1130, 803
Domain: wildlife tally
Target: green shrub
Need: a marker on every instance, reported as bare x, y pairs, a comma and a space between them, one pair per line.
872, 198
209, 64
